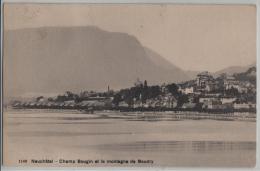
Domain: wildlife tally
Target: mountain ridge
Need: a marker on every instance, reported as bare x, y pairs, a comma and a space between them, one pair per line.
82, 58
233, 69
78, 58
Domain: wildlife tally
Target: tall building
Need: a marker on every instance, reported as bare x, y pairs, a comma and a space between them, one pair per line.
205, 81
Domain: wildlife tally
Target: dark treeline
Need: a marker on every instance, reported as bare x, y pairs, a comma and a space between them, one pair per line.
143, 92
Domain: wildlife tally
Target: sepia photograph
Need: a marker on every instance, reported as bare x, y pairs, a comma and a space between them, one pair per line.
129, 85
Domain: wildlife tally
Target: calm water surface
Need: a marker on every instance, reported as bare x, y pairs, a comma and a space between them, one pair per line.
126, 136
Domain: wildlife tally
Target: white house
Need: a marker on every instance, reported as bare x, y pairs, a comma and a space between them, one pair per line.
187, 90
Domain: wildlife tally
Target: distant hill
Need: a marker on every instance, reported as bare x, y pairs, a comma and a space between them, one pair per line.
57, 59
233, 69
249, 75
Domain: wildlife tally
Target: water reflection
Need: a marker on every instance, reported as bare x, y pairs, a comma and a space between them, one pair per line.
189, 146
60, 134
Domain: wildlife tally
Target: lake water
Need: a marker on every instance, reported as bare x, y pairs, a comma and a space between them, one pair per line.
66, 136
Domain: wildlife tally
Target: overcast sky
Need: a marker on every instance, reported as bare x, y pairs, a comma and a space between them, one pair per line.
193, 37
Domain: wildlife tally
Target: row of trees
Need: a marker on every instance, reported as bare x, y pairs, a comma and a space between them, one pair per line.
78, 97
141, 93
144, 92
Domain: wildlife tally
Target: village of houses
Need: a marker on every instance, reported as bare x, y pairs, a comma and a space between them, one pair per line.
222, 94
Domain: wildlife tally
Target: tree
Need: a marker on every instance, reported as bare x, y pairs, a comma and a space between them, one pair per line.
153, 92
145, 92
232, 92
129, 100
50, 99
61, 98
183, 98
117, 99
173, 89
39, 98
145, 84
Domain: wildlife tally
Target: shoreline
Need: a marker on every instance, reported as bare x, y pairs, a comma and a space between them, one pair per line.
148, 115
131, 111
124, 109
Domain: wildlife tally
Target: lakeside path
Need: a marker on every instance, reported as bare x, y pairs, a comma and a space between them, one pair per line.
73, 135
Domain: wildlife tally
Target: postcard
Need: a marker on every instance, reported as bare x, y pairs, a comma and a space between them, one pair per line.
129, 85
